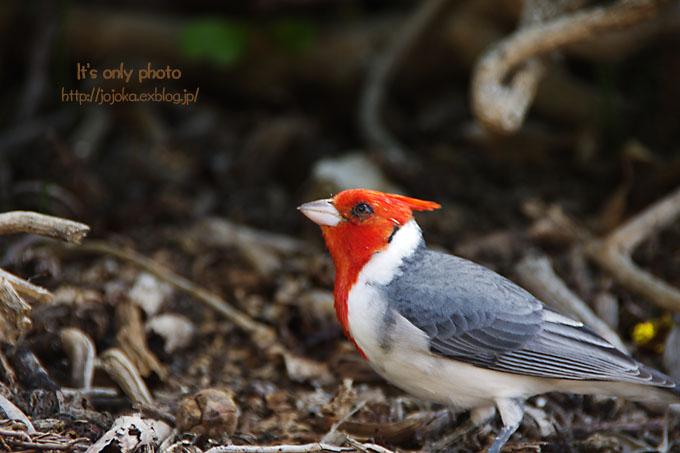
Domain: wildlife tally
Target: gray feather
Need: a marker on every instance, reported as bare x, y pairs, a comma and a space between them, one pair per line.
474, 315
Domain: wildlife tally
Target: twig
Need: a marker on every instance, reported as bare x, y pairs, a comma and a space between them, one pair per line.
93, 392
347, 416
26, 289
538, 276
67, 445
613, 252
384, 65
367, 447
12, 433
305, 448
44, 225
502, 107
628, 274
263, 335
657, 216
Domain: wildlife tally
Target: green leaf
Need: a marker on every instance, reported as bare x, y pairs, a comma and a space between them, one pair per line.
215, 40
296, 35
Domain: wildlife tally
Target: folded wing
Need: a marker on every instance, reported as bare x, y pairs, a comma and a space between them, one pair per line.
474, 315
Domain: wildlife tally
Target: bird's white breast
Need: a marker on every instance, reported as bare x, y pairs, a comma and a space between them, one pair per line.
366, 308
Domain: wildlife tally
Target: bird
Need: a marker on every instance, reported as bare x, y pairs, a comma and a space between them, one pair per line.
451, 331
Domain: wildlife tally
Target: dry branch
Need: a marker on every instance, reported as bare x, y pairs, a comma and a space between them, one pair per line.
12, 433
512, 101
613, 252
27, 290
657, 216
44, 225
48, 444
501, 107
367, 447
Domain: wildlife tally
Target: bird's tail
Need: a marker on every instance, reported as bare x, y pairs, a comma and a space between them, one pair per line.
654, 387
668, 386
651, 386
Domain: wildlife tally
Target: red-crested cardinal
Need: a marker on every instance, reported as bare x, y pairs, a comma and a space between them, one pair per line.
451, 331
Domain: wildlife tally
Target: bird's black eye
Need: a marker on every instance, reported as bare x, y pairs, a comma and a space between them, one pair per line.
362, 209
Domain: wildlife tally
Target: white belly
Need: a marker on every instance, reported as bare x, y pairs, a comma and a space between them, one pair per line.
399, 352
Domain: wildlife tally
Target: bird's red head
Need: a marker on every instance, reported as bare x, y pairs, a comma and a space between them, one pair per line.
356, 224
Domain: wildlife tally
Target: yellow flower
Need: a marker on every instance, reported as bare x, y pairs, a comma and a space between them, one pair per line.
644, 332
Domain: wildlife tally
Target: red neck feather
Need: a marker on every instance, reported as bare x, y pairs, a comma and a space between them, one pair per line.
351, 247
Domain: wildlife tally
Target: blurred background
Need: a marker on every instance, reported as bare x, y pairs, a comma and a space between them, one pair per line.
280, 85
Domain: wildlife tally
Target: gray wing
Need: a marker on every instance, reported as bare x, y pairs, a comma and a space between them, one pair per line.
477, 316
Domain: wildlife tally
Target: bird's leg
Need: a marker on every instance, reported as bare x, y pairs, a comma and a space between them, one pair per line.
478, 416
512, 412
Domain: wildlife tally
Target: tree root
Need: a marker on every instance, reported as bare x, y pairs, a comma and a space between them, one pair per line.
44, 225
501, 106
613, 252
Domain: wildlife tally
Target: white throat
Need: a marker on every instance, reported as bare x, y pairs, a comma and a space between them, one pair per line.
384, 265
366, 305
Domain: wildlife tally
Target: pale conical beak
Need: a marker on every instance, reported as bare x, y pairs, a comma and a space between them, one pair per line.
321, 212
